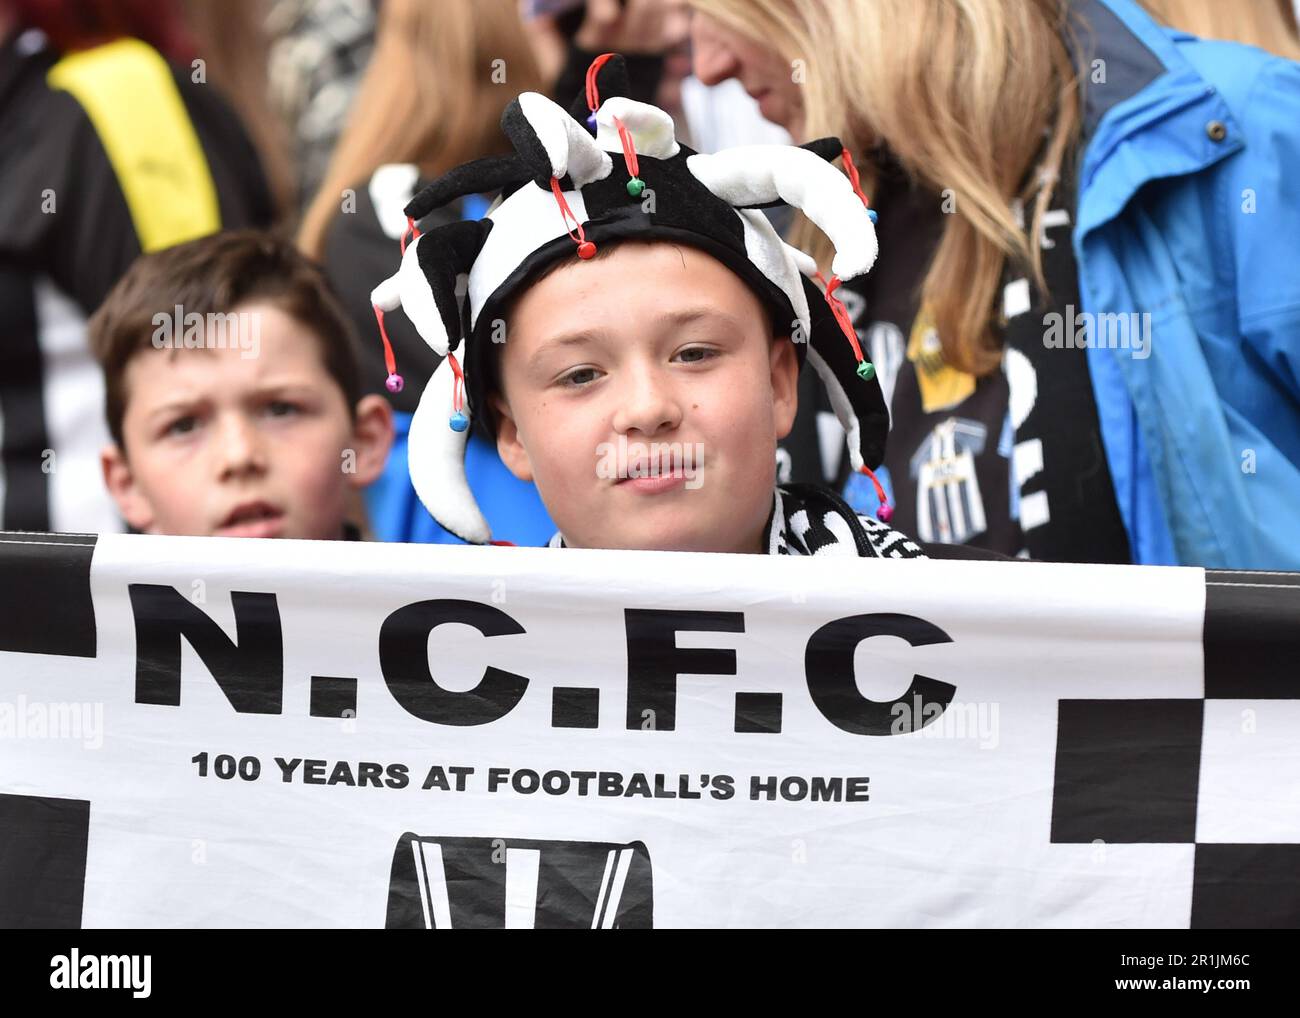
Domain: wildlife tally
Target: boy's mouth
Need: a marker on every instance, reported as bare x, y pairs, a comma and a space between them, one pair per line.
656, 469
654, 485
644, 480
252, 519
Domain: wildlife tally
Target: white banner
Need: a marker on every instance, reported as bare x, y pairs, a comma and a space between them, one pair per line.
209, 732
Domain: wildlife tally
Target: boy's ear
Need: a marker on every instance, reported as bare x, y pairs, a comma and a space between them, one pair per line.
120, 481
372, 438
509, 448
785, 385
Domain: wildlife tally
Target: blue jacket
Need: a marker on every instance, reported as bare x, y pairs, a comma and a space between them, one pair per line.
1189, 211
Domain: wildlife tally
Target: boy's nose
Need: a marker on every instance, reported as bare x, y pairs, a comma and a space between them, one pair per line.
239, 448
711, 60
648, 405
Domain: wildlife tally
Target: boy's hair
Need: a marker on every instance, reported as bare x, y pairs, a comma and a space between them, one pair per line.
215, 275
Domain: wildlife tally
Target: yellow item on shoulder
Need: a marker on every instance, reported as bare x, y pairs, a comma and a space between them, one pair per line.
131, 98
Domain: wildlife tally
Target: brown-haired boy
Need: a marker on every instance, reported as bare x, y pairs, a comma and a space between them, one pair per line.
233, 395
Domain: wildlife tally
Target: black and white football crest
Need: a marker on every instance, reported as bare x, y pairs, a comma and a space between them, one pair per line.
510, 883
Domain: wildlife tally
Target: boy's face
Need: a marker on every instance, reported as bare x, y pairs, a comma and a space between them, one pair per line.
656, 360
218, 442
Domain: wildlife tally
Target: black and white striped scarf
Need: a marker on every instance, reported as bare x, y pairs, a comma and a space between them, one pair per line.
807, 519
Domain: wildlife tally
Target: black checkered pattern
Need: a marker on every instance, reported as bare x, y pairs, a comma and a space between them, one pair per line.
1131, 771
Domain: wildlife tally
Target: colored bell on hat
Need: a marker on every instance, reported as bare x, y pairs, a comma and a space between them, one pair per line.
459, 422
866, 370
871, 214
635, 187
394, 383
885, 513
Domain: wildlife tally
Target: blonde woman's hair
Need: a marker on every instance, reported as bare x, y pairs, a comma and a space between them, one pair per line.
1268, 24
439, 77
978, 101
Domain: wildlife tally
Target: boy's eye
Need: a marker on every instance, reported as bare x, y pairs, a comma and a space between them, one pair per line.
183, 425
281, 408
696, 354
579, 377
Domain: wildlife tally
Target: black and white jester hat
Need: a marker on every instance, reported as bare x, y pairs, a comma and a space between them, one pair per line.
564, 192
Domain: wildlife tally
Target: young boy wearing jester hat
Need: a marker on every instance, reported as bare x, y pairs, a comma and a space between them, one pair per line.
631, 328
